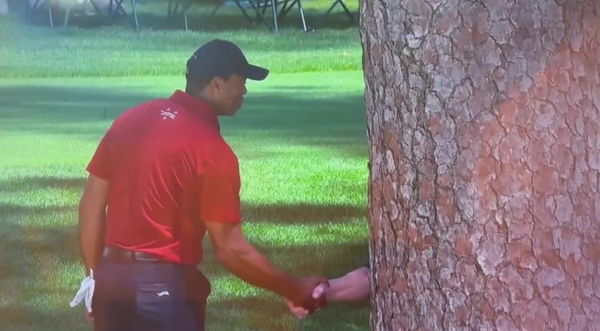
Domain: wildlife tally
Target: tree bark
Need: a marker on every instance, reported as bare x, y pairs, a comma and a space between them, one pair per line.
484, 134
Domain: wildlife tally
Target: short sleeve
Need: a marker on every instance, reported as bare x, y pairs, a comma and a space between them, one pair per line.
100, 164
219, 192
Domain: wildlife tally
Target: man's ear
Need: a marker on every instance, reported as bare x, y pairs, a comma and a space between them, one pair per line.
216, 83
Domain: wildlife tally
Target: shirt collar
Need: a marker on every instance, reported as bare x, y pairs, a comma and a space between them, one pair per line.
196, 105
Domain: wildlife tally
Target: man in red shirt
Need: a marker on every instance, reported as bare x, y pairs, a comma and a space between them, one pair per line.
161, 177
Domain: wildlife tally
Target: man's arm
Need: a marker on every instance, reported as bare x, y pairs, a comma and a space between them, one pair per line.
353, 286
241, 258
92, 214
350, 287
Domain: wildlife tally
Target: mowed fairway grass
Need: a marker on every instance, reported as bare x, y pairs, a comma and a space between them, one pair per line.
300, 138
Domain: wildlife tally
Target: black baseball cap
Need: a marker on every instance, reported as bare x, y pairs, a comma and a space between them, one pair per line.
222, 58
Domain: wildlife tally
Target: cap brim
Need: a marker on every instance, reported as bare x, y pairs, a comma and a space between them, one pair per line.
255, 73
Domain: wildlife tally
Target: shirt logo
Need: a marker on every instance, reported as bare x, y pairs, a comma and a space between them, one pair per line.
168, 113
163, 293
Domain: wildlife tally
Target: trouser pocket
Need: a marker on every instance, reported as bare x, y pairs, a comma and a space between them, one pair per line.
197, 286
155, 303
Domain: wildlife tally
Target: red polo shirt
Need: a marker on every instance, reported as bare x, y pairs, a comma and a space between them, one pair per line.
169, 170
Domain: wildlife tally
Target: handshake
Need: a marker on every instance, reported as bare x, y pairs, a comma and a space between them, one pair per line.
310, 297
313, 293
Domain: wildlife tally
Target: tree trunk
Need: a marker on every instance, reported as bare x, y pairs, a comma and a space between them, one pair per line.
484, 133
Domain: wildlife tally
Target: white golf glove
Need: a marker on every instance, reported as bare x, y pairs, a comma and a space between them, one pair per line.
85, 292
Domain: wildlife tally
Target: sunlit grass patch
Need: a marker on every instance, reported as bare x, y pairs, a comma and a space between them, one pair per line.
325, 233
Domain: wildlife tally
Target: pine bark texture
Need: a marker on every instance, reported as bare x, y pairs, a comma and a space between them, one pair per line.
484, 133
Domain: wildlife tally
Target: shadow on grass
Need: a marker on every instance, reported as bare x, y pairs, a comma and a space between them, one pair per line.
328, 260
301, 213
10, 208
35, 255
269, 313
24, 247
302, 115
281, 111
335, 121
6, 186
31, 255
42, 105
19, 318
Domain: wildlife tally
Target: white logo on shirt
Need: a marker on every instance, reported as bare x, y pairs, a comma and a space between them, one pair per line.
163, 293
168, 113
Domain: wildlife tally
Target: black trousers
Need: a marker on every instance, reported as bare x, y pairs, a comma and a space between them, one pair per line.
148, 296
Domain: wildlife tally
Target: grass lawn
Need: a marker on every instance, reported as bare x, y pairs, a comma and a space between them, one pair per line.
300, 139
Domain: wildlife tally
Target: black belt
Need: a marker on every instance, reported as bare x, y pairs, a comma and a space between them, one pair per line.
122, 255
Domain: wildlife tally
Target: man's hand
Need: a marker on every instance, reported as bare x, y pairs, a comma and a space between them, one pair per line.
319, 291
306, 299
350, 287
317, 297
299, 312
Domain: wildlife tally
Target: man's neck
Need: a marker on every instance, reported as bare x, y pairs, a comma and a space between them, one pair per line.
199, 94
204, 96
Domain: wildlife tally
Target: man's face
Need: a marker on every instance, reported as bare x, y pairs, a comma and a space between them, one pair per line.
230, 94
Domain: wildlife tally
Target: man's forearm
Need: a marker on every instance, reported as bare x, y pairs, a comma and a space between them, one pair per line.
350, 287
91, 238
92, 214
